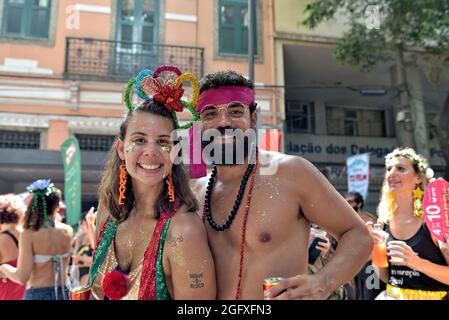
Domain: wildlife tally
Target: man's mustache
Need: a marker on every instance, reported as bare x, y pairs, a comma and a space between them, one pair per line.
223, 130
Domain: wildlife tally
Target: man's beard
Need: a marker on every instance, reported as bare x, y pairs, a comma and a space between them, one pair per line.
228, 153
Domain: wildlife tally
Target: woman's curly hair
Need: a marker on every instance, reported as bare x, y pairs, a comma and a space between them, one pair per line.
12, 209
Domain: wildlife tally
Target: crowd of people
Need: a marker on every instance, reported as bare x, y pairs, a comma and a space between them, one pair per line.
157, 235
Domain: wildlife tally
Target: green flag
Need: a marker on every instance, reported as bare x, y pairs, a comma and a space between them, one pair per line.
71, 158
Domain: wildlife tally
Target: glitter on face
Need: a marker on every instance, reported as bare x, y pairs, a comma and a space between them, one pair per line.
166, 148
130, 147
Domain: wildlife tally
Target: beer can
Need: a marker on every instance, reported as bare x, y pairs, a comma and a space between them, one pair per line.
80, 293
268, 283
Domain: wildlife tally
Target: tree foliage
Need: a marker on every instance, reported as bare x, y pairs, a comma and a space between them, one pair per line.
422, 24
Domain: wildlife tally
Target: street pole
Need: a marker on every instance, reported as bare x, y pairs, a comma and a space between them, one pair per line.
251, 15
404, 120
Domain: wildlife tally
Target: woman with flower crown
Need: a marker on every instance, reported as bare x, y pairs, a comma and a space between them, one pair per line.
151, 244
44, 247
417, 268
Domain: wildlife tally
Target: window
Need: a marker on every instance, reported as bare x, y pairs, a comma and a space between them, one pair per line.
91, 142
300, 117
355, 122
233, 27
137, 21
19, 140
26, 18
137, 32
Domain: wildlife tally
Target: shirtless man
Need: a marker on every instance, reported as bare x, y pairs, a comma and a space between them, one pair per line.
281, 208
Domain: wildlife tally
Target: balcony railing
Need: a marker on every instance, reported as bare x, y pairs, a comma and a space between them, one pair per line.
97, 59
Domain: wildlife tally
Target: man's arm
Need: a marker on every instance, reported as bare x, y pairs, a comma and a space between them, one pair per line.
324, 206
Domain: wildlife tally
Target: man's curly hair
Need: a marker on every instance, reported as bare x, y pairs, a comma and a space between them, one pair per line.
11, 209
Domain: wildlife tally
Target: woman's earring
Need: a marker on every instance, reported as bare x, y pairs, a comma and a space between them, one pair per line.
122, 186
171, 188
417, 202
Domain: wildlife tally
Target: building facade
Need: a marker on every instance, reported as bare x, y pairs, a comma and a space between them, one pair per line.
334, 111
64, 66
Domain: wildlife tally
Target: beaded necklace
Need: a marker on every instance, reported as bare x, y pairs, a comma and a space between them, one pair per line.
251, 173
238, 200
245, 220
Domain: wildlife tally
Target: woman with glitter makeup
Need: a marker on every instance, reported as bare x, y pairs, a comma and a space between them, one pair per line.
417, 268
44, 247
151, 244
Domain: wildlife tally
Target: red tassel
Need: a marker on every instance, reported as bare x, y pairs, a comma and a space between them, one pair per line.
114, 285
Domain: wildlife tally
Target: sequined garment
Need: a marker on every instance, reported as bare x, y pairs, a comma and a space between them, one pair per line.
147, 281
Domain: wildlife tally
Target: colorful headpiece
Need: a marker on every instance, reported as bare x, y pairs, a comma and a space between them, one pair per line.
418, 160
149, 86
41, 189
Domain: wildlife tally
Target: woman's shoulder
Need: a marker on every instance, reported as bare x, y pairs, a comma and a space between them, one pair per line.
186, 222
64, 228
102, 216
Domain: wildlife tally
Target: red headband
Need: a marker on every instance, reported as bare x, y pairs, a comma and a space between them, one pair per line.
226, 94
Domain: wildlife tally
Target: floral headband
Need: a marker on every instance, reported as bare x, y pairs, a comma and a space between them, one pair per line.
41, 189
149, 86
416, 159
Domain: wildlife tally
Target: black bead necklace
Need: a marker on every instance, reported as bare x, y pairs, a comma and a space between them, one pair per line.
238, 200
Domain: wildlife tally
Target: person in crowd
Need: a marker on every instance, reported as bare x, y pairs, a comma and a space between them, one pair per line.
258, 219
151, 244
44, 247
321, 249
355, 199
366, 284
417, 267
11, 212
84, 244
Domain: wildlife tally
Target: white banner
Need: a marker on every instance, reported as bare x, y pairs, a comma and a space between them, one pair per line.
358, 174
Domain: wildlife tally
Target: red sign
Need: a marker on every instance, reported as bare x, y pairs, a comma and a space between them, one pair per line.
436, 208
271, 140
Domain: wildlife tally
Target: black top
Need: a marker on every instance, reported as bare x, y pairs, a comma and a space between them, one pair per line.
13, 237
423, 245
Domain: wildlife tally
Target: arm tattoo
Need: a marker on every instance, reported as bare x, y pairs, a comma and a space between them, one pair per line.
197, 280
174, 240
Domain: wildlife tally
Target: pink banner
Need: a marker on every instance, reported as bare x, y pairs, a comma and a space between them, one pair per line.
271, 140
436, 208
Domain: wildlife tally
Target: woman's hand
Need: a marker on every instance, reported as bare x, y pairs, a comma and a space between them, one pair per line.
91, 216
377, 236
445, 246
401, 254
